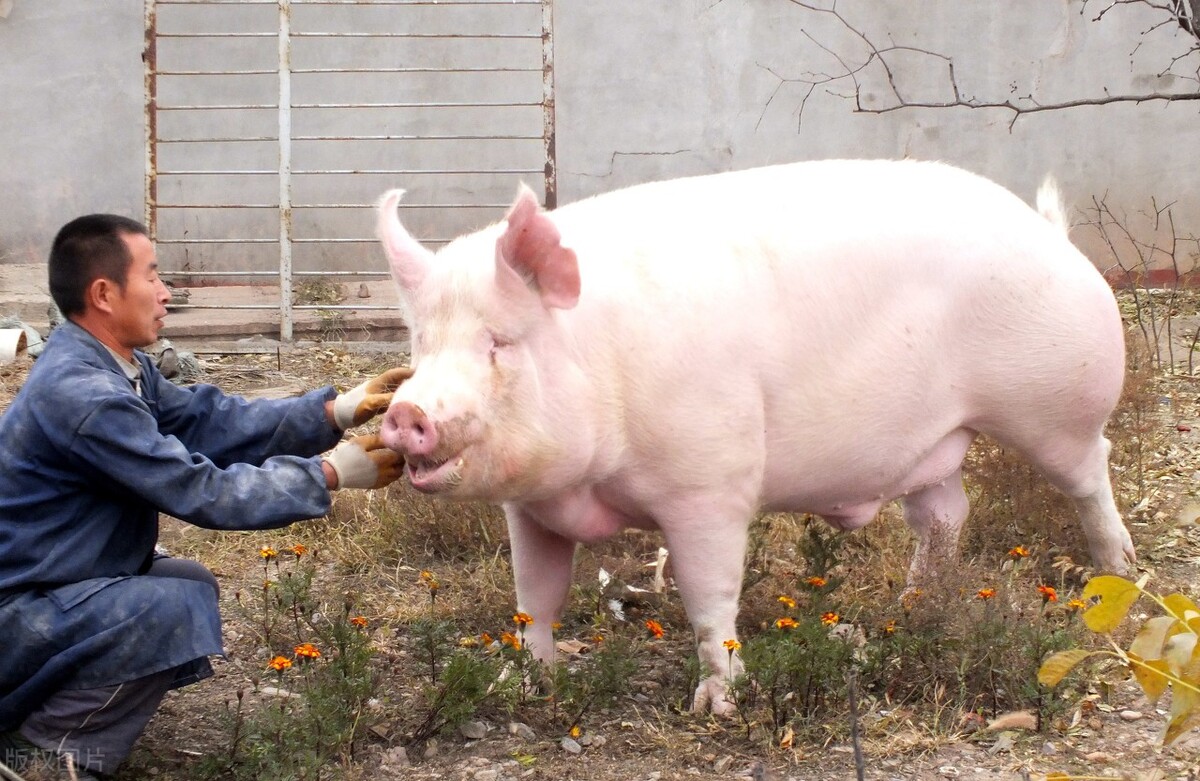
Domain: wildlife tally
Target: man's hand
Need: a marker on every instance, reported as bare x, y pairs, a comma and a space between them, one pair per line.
363, 462
363, 402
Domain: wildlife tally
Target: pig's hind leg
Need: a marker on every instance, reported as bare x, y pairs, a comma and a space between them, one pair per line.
935, 505
1079, 468
936, 514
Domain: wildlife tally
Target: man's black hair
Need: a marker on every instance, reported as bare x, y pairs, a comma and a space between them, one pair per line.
89, 248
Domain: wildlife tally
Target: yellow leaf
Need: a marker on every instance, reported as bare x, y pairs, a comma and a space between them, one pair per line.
1181, 607
1116, 594
1178, 652
1183, 714
1057, 666
1152, 677
1057, 777
1152, 636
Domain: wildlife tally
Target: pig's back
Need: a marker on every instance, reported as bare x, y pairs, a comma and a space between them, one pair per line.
820, 250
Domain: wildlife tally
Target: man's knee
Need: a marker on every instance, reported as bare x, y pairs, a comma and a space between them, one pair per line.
186, 569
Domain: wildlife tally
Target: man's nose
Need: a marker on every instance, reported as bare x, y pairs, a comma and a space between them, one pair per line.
164, 295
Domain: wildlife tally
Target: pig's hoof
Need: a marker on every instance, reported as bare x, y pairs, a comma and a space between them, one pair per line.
712, 696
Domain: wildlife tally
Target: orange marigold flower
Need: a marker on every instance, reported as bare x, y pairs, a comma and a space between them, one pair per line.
785, 623
1019, 552
267, 553
655, 628
732, 645
830, 618
486, 639
788, 601
1048, 593
509, 639
890, 627
307, 651
575, 731
597, 639
299, 550
279, 663
816, 581
985, 593
522, 620
555, 626
1077, 604
359, 621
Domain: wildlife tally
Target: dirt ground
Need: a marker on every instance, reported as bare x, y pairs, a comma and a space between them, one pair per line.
648, 737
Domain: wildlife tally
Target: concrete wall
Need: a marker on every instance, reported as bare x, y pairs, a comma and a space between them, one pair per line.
701, 86
652, 90
71, 127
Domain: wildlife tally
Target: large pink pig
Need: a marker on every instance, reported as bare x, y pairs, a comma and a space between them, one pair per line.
819, 337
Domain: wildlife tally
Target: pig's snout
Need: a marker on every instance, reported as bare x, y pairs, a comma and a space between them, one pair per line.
408, 430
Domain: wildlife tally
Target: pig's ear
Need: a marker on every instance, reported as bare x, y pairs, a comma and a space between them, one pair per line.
530, 246
409, 260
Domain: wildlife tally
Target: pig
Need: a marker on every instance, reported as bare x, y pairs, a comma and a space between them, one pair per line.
819, 337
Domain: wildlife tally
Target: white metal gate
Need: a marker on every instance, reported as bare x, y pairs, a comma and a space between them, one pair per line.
273, 125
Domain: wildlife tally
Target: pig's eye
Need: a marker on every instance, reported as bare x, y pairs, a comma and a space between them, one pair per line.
498, 343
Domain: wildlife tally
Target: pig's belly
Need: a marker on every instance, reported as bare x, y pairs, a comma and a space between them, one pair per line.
848, 491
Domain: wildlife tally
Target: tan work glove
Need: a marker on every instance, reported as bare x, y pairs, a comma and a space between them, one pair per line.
363, 402
364, 462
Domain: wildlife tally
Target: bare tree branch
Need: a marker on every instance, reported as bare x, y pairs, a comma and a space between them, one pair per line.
1182, 13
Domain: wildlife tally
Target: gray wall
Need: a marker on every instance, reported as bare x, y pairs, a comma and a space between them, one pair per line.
71, 128
652, 90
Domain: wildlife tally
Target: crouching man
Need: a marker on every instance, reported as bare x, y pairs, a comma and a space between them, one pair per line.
97, 627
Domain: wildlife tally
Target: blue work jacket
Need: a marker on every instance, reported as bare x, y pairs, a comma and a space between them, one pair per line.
87, 463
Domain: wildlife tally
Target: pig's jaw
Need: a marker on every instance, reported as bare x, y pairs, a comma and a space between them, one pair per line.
432, 477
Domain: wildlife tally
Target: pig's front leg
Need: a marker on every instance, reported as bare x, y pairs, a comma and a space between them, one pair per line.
708, 552
542, 563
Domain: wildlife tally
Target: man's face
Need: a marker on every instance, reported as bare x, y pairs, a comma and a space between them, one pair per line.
139, 307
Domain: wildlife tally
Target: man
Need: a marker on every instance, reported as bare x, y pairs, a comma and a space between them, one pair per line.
97, 626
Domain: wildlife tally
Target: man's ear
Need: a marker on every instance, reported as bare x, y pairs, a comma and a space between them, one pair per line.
100, 295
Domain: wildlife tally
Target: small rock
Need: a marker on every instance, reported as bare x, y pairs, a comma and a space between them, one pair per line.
397, 757
1049, 749
521, 730
431, 749
487, 774
1003, 743
1131, 715
570, 746
1099, 757
473, 730
364, 291
949, 771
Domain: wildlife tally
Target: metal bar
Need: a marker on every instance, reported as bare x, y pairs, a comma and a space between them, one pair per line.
218, 73
345, 171
220, 106
272, 307
294, 206
548, 127
229, 139
150, 88
339, 2
285, 170
448, 69
431, 36
473, 104
266, 72
274, 274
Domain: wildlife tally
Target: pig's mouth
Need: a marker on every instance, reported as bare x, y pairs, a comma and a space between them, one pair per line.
431, 476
